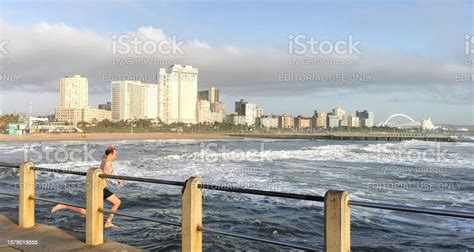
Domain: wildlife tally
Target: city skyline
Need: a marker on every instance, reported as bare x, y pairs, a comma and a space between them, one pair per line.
417, 68
213, 94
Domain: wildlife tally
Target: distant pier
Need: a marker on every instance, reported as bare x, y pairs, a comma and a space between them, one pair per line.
354, 137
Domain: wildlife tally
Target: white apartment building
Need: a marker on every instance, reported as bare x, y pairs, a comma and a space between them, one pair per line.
177, 94
74, 92
151, 101
250, 113
74, 98
353, 121
269, 121
339, 112
134, 100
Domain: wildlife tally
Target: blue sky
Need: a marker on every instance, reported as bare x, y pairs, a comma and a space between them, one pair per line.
429, 31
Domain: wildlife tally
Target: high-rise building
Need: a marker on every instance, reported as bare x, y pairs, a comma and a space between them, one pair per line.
134, 100
243, 108
344, 122
177, 94
366, 118
353, 121
258, 112
339, 112
74, 92
286, 122
217, 108
74, 107
203, 111
332, 121
319, 120
203, 95
302, 122
240, 107
150, 101
211, 95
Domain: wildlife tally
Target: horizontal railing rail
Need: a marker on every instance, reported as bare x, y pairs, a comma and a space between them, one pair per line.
413, 209
145, 180
59, 171
336, 207
263, 193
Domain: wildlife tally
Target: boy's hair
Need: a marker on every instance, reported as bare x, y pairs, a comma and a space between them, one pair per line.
109, 151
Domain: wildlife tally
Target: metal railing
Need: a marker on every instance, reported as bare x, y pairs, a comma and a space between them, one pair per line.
336, 208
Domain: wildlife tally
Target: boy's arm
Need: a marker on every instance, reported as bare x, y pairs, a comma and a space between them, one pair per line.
108, 170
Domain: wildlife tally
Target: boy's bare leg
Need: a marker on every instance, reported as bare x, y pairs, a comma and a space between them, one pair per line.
115, 206
59, 207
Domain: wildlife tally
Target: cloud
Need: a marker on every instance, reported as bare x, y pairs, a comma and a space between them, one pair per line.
42, 53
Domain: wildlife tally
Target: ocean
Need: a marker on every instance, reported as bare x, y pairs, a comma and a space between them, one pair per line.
415, 173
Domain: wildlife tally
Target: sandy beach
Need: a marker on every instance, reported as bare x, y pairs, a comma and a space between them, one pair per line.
108, 136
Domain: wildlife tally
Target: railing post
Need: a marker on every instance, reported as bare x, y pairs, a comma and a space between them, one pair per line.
191, 216
337, 221
94, 202
26, 215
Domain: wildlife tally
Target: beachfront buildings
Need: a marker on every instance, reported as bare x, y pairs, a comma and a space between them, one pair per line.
268, 121
134, 100
203, 111
332, 121
211, 95
177, 94
210, 105
236, 119
339, 112
74, 92
74, 98
366, 118
319, 120
353, 121
302, 123
86, 114
246, 109
286, 121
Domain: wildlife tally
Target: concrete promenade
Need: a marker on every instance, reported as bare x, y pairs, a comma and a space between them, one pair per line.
48, 238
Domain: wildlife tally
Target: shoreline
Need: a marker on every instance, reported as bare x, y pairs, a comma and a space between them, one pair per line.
45, 137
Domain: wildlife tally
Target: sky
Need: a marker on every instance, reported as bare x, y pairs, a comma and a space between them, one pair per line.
409, 56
